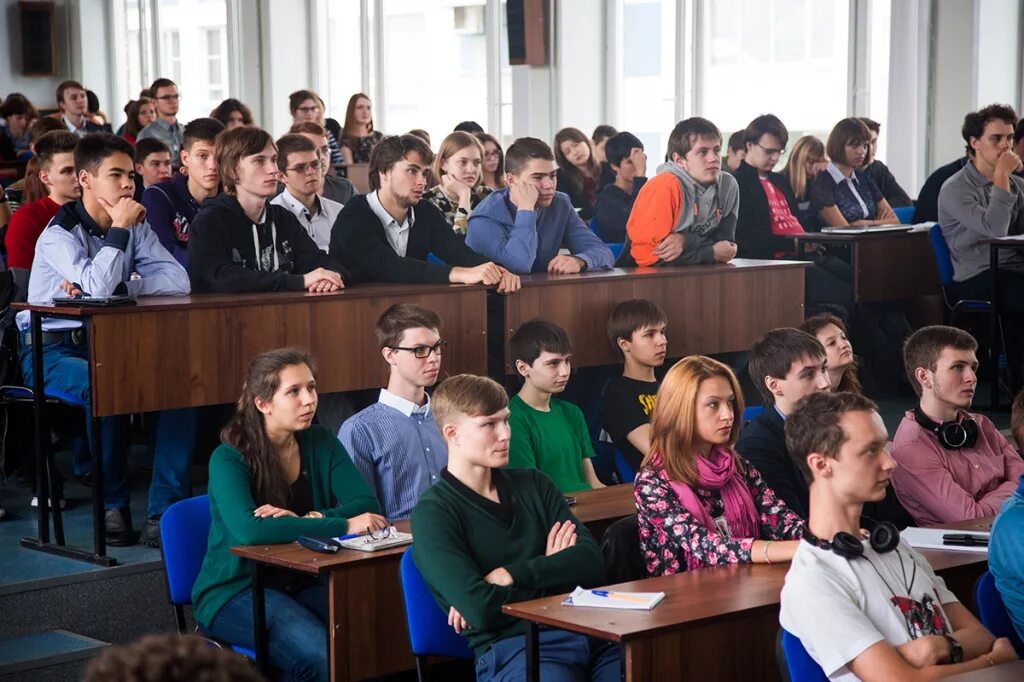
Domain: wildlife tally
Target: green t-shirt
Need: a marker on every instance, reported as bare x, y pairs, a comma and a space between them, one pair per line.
556, 442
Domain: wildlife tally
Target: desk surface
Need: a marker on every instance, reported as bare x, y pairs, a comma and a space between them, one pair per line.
1008, 672
859, 236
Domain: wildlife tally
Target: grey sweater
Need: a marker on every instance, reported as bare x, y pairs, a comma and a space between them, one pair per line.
972, 209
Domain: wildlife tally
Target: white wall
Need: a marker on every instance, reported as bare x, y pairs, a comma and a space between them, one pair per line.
579, 56
997, 54
953, 82
285, 54
39, 89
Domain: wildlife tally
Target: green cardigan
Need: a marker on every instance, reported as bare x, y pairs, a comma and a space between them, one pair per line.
458, 543
339, 492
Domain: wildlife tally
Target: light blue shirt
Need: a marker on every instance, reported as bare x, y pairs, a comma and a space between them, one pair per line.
168, 133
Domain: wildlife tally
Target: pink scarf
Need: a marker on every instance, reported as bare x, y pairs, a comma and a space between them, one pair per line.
718, 472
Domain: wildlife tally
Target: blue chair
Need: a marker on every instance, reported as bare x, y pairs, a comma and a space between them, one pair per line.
992, 611
944, 263
593, 225
905, 214
429, 632
434, 260
801, 666
751, 412
616, 248
626, 473
184, 534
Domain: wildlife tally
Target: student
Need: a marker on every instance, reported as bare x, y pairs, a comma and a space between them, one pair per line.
308, 107
494, 162
55, 153
240, 241
173, 204
233, 113
523, 227
686, 214
954, 464
487, 536
839, 442
626, 157
274, 478
926, 208
395, 443
140, 112
578, 170
636, 329
386, 235
766, 226
170, 658
300, 164
984, 200
547, 433
599, 139
879, 172
17, 113
460, 188
152, 164
1006, 554
166, 128
334, 187
73, 104
96, 246
30, 188
842, 196
471, 127
840, 362
787, 365
806, 160
698, 503
735, 153
358, 137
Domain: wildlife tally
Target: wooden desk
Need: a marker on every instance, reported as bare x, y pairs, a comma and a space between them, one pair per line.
709, 616
1014, 243
887, 266
368, 637
712, 308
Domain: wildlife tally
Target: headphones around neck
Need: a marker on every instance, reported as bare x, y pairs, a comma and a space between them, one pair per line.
884, 538
952, 435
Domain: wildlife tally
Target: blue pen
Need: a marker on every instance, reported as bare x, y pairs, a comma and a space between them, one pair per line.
614, 595
349, 536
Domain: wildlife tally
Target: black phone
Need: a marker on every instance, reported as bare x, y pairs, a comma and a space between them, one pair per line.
569, 500
323, 545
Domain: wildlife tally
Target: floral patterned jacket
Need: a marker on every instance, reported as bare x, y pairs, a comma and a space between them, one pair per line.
673, 540
458, 221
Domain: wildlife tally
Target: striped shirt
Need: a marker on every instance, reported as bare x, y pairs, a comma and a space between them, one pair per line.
398, 449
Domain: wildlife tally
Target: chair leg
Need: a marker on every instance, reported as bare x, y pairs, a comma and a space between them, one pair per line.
422, 669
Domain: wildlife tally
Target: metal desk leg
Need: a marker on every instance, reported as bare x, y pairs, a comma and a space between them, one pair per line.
259, 620
39, 405
99, 526
995, 342
533, 652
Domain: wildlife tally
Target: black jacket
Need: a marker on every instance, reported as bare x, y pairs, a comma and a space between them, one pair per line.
886, 182
612, 211
927, 207
222, 254
359, 243
754, 238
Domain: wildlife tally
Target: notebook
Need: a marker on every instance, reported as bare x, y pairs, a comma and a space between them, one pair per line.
864, 229
610, 599
931, 538
365, 543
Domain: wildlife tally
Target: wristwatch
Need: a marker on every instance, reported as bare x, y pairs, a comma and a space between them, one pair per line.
318, 515
956, 652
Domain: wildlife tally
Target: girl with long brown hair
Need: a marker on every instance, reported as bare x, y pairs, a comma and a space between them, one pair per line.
358, 137
698, 502
274, 478
840, 361
578, 171
458, 168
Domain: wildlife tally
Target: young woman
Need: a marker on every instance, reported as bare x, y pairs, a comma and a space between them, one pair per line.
698, 503
18, 114
841, 362
841, 196
460, 187
140, 112
578, 172
494, 161
276, 477
233, 113
306, 105
806, 159
358, 138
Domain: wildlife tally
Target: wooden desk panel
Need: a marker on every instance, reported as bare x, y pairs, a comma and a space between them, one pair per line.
711, 308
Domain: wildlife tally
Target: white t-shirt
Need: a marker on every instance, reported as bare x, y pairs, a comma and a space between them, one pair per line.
839, 608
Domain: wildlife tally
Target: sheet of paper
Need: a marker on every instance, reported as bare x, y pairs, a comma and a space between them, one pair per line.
931, 538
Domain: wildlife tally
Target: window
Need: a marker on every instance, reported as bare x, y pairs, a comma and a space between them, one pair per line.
170, 56
344, 56
216, 71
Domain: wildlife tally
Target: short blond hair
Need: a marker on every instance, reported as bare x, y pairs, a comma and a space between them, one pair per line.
469, 395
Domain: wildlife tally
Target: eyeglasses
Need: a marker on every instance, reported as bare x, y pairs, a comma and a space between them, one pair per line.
170, 98
308, 110
770, 151
303, 168
382, 534
423, 352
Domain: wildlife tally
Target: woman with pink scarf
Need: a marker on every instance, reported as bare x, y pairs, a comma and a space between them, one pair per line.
699, 503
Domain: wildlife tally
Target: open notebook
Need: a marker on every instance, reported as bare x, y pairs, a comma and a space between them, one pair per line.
366, 543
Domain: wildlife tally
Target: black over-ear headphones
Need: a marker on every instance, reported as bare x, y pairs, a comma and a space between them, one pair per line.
885, 537
952, 435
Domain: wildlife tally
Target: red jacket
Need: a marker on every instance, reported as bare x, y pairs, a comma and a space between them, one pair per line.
27, 223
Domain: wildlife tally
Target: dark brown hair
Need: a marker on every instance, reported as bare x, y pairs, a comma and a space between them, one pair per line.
975, 122
629, 317
348, 130
814, 426
53, 143
774, 353
873, 125
290, 144
393, 149
234, 145
923, 348
64, 86
536, 336
499, 174
17, 104
766, 124
393, 322
848, 131
566, 168
524, 150
224, 110
201, 130
170, 658
131, 110
812, 325
41, 126
688, 131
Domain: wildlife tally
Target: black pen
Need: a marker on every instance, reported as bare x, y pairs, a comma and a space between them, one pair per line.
965, 540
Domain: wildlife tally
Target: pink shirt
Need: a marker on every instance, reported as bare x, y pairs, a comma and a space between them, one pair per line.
783, 222
937, 485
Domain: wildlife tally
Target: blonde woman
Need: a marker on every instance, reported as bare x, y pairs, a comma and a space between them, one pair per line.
458, 168
806, 159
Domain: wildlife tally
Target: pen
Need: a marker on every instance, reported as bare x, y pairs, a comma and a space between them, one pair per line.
615, 595
965, 540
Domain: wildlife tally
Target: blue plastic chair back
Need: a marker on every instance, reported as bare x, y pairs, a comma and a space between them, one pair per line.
593, 225
434, 260
626, 473
801, 666
905, 214
992, 611
23, 393
943, 260
616, 248
751, 412
429, 632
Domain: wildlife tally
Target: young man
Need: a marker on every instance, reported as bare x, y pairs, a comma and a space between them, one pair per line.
166, 127
334, 187
636, 329
152, 165
1006, 556
386, 235
879, 172
787, 365
548, 434
626, 157
395, 443
73, 104
865, 609
96, 246
487, 536
300, 164
686, 214
55, 154
523, 226
954, 464
985, 200
241, 242
737, 150
172, 205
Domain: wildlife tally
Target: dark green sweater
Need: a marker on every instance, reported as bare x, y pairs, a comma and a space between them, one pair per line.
339, 493
457, 543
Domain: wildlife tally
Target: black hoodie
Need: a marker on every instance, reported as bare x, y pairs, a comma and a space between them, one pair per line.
222, 251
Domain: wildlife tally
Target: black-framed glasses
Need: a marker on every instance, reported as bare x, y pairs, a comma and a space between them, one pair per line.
423, 352
771, 151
